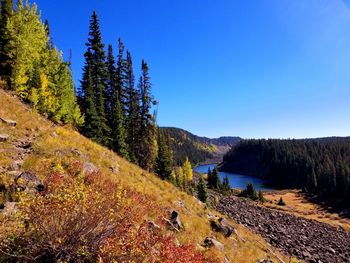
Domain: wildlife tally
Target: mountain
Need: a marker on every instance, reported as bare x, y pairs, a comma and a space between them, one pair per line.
56, 185
197, 149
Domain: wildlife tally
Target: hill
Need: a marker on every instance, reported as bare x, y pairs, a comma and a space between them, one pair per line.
318, 166
66, 198
197, 149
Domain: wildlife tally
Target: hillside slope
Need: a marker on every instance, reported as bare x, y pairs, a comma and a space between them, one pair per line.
73, 171
197, 149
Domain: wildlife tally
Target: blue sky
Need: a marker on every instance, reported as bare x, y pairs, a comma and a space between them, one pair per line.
251, 68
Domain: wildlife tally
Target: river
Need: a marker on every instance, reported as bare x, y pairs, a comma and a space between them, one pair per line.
236, 180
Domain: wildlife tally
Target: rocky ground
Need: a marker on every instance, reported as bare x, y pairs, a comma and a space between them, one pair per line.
306, 239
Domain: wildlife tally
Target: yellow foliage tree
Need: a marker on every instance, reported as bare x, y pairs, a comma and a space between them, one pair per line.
187, 170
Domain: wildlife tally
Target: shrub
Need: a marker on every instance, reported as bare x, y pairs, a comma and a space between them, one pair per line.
281, 202
249, 192
88, 219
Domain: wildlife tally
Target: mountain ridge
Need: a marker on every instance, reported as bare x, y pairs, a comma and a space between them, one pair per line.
198, 149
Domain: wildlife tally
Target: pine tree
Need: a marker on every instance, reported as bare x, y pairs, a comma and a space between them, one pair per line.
202, 190
119, 134
88, 101
147, 137
226, 188
215, 180
48, 33
6, 11
133, 119
111, 95
163, 164
95, 58
209, 178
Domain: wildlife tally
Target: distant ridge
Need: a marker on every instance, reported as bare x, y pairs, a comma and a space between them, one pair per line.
198, 149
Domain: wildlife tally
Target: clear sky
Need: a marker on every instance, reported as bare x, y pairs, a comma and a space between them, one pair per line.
249, 68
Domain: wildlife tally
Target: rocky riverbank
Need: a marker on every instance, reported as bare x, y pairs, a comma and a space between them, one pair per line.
306, 239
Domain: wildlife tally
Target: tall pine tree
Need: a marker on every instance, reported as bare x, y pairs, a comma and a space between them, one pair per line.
164, 160
147, 123
95, 59
133, 111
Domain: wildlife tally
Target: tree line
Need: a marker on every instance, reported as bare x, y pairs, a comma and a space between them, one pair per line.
32, 66
318, 166
108, 107
118, 114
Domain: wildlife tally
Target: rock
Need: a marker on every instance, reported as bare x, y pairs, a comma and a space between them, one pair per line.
210, 242
331, 250
9, 208
76, 152
152, 225
211, 216
3, 138
89, 168
29, 182
175, 223
222, 226
8, 122
114, 169
306, 254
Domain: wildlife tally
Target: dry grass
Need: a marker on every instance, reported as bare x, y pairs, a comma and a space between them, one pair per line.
54, 145
297, 204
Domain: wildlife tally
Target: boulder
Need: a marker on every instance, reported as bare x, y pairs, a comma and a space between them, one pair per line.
29, 182
174, 223
210, 242
9, 208
222, 226
8, 122
3, 137
89, 168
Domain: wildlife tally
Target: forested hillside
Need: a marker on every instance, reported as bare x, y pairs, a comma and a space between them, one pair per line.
198, 149
319, 166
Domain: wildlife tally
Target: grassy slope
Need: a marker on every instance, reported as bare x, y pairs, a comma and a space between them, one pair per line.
51, 140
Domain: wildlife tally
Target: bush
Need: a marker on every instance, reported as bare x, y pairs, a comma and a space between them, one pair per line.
88, 219
281, 202
249, 192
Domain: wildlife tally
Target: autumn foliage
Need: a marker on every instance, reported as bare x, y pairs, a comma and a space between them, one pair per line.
89, 218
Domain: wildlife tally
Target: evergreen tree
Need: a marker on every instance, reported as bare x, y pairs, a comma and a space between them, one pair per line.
209, 178
88, 102
202, 190
121, 75
48, 33
111, 95
226, 188
6, 11
214, 180
147, 137
163, 164
95, 59
119, 134
133, 110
